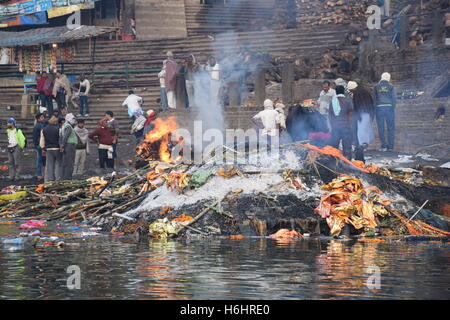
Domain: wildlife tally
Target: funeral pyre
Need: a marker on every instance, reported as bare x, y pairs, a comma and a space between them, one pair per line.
303, 191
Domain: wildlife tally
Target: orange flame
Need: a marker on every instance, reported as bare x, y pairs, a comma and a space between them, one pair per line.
161, 131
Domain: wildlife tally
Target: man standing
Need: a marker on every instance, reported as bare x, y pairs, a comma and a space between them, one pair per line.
190, 76
385, 97
325, 97
47, 90
213, 69
171, 80
50, 146
61, 89
68, 146
162, 89
83, 93
105, 139
113, 125
270, 119
16, 144
340, 112
133, 102
363, 115
40, 81
40, 124
82, 148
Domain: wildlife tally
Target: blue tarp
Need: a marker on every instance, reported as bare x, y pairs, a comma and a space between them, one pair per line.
34, 18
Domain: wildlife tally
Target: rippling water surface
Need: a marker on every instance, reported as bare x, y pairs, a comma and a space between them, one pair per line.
113, 268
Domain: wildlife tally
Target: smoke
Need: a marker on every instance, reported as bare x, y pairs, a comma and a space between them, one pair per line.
209, 110
236, 62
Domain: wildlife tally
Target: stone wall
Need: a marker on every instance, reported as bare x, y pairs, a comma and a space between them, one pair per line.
416, 66
160, 19
415, 125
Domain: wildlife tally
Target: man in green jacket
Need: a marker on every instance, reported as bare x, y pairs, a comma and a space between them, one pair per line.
16, 144
68, 146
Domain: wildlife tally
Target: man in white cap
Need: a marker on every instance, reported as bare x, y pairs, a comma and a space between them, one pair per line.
270, 119
385, 99
68, 146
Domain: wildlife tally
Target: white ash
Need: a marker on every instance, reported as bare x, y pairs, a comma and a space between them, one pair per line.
216, 188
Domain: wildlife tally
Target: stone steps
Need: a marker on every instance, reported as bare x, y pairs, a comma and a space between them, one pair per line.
201, 19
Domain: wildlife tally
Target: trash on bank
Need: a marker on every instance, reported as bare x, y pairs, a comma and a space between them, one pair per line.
286, 234
349, 202
33, 224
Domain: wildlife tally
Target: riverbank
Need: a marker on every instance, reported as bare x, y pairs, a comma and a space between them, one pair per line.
245, 200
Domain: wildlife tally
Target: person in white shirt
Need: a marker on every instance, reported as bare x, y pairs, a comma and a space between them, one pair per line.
162, 90
170, 81
326, 95
133, 102
213, 69
83, 93
270, 119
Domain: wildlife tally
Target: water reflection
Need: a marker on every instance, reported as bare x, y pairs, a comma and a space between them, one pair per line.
226, 269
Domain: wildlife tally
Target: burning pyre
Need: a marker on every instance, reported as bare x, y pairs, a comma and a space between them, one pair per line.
158, 143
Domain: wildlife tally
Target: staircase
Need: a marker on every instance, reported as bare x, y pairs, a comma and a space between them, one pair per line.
212, 19
109, 90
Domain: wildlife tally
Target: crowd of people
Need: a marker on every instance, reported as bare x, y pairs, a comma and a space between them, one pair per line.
343, 115
191, 83
62, 144
55, 88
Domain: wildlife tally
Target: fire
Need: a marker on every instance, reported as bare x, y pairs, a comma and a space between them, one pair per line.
161, 133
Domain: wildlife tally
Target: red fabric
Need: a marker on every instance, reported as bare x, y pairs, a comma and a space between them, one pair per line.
319, 135
104, 136
150, 118
171, 75
48, 87
40, 84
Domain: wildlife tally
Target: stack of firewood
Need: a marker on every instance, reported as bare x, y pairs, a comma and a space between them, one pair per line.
331, 11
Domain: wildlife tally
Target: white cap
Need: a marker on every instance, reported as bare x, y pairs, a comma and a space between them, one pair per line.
268, 104
70, 118
352, 85
386, 76
340, 82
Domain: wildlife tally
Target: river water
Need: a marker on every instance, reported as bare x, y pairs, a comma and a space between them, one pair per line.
113, 267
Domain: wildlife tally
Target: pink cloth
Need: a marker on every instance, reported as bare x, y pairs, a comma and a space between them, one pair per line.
32, 224
319, 136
